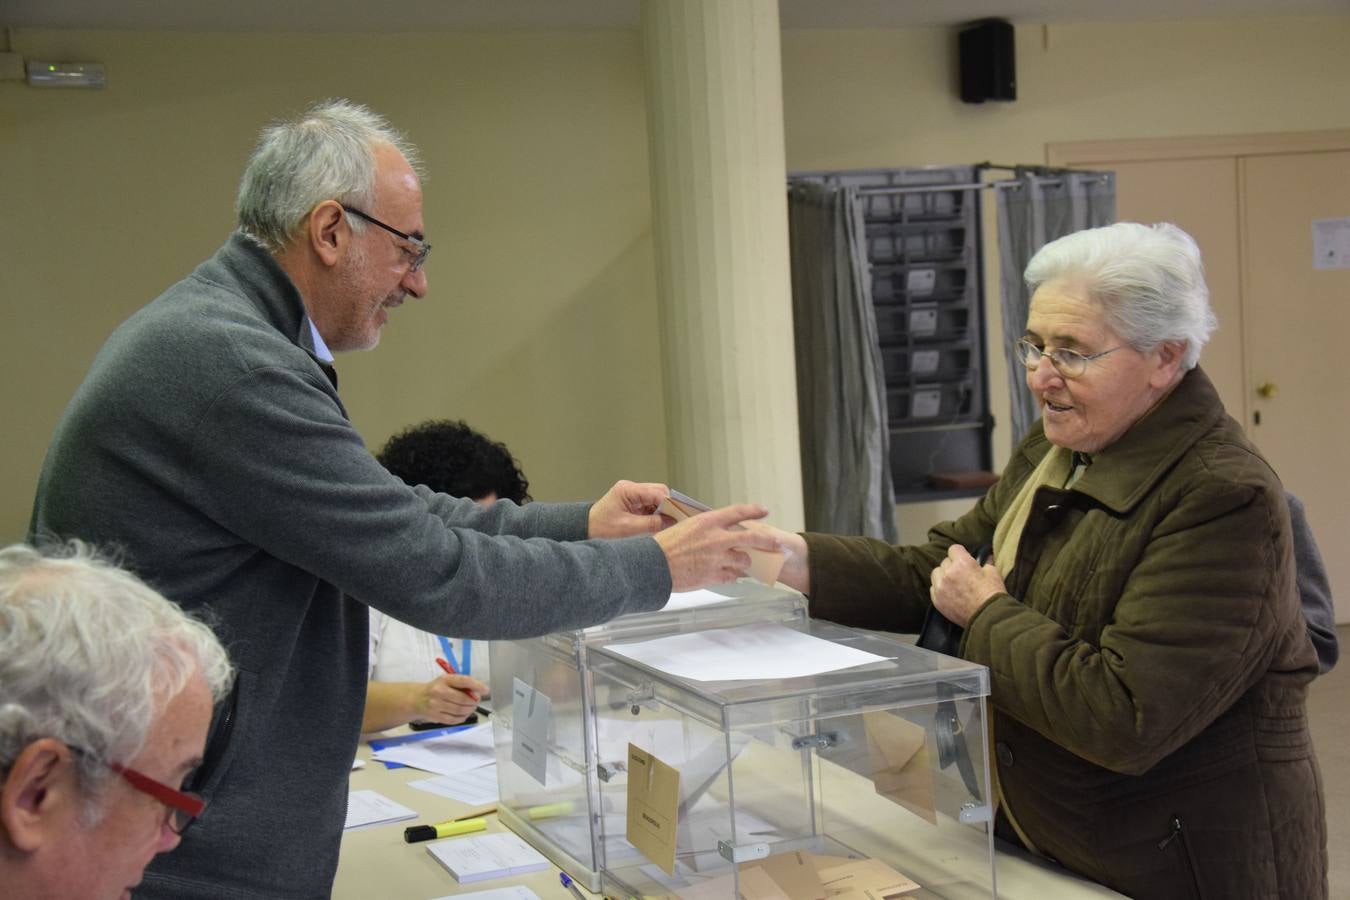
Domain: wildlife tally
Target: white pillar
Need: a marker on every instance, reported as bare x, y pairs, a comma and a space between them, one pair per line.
719, 219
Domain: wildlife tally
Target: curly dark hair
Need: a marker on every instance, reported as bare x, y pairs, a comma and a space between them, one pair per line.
452, 458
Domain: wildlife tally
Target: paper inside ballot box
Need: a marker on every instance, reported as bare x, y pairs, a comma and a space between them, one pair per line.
755, 884
799, 874
901, 768
794, 873
863, 879
764, 565
653, 807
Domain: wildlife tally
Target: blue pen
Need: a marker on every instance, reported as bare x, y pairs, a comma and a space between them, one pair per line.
570, 885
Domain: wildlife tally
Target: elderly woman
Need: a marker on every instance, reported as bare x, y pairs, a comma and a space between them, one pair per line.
1148, 658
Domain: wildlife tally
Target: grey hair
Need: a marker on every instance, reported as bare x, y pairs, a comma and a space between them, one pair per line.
89, 655
325, 153
1148, 279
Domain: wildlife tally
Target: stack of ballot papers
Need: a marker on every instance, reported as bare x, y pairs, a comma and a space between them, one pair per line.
485, 856
366, 808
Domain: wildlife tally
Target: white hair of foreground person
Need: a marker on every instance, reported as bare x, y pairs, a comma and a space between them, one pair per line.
90, 655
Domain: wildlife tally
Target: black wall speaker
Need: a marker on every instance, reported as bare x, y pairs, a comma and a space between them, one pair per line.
988, 64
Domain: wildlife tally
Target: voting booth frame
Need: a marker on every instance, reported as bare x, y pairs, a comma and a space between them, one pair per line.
639, 782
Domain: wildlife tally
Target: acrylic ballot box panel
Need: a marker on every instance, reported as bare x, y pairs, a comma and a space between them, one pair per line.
548, 766
875, 775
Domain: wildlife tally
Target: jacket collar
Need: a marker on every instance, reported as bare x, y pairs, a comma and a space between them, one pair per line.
256, 274
1124, 473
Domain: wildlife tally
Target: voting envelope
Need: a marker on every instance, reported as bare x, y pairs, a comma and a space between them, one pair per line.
653, 807
901, 768
764, 565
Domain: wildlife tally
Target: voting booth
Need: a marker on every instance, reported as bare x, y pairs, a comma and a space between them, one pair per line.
549, 765
866, 780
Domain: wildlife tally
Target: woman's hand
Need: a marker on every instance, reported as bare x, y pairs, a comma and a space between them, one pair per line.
961, 585
796, 571
449, 699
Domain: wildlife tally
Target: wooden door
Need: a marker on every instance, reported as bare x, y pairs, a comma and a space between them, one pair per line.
1250, 201
1298, 323
1200, 197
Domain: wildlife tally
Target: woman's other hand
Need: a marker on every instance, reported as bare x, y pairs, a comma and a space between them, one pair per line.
961, 585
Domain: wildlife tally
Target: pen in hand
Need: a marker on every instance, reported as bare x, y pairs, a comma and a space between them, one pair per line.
450, 670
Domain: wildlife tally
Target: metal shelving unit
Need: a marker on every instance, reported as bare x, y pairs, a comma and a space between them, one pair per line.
923, 236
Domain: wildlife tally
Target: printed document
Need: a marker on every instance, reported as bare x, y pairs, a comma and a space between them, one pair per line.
446, 754
757, 651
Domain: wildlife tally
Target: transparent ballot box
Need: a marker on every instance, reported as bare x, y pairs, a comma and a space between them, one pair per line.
862, 782
548, 764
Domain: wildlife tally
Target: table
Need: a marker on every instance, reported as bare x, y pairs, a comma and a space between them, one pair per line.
376, 864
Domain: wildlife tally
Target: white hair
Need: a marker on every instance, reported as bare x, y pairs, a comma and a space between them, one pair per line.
1148, 279
325, 153
90, 655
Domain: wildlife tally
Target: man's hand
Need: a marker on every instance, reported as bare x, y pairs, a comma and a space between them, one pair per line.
708, 549
446, 699
627, 509
961, 585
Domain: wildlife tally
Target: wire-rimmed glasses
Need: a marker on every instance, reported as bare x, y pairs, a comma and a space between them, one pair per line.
1069, 363
421, 248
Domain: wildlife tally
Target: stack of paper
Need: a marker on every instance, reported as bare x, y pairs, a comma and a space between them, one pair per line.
373, 808
485, 856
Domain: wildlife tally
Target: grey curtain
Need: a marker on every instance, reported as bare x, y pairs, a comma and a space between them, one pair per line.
841, 390
1033, 210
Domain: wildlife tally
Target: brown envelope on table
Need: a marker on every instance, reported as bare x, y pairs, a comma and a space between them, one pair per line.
864, 879
764, 565
755, 884
794, 873
901, 768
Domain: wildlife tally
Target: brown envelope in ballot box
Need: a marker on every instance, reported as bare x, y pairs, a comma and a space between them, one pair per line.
902, 768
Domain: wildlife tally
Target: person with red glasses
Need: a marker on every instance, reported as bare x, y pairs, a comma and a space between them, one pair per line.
106, 692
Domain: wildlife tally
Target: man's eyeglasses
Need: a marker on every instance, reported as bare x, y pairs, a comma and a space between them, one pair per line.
183, 806
418, 255
1069, 363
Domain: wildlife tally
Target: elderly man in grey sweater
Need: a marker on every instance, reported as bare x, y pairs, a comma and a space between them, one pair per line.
210, 444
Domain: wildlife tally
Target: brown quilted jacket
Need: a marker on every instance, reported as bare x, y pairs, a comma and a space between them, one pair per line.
1149, 664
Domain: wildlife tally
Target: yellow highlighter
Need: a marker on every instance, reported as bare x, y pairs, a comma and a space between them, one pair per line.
416, 833
549, 810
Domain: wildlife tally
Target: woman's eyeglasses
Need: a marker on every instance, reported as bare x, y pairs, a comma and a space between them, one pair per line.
1069, 363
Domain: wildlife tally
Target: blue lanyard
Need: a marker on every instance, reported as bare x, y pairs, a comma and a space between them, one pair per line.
450, 655
465, 646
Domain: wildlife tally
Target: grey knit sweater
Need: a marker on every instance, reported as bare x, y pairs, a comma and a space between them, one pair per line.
208, 445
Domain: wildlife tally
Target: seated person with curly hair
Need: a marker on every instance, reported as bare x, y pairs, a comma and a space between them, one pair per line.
451, 458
